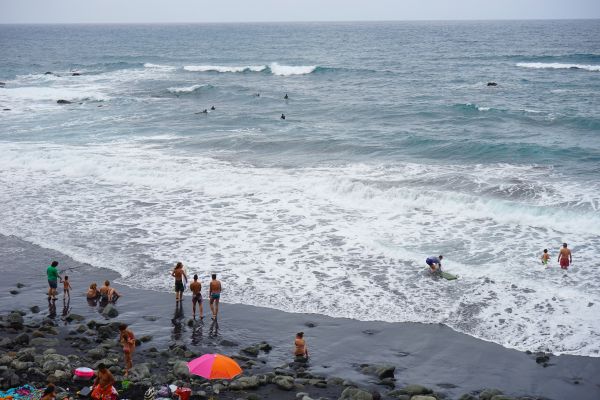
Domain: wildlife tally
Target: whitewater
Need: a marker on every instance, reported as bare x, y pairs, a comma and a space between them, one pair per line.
389, 154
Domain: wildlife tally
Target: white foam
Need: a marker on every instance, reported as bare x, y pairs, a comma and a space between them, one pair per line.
185, 89
355, 236
160, 67
221, 68
287, 70
539, 65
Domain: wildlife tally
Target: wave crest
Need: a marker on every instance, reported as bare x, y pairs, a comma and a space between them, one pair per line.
541, 65
185, 89
274, 68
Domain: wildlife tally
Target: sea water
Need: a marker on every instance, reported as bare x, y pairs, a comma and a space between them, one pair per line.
394, 148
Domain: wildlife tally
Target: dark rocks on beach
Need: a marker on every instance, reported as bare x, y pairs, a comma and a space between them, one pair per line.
414, 390
351, 393
310, 324
74, 317
381, 371
110, 311
22, 339
2, 84
245, 383
35, 309
488, 394
61, 101
15, 320
542, 358
252, 350
284, 382
228, 343
181, 370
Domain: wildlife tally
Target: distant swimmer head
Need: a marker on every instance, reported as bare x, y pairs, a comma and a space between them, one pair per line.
282, 116
205, 111
213, 108
286, 96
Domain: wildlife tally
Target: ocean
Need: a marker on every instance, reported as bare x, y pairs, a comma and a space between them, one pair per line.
394, 148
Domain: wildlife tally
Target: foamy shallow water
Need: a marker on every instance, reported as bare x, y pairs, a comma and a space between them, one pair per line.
342, 241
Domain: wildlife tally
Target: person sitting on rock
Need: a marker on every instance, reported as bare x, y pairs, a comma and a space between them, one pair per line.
103, 384
301, 350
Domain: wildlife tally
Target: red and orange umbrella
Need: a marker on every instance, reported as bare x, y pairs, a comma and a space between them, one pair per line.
214, 366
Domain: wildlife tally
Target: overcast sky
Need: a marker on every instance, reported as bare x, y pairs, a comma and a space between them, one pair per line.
82, 11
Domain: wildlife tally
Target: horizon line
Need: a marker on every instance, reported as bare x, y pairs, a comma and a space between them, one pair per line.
298, 21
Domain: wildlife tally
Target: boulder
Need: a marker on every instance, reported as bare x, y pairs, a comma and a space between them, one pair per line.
140, 372
53, 362
35, 309
382, 371
96, 353
420, 397
22, 339
245, 383
146, 338
502, 397
487, 394
43, 342
415, 390
252, 350
110, 311
395, 394
181, 370
15, 320
351, 393
61, 101
284, 382
467, 396
74, 317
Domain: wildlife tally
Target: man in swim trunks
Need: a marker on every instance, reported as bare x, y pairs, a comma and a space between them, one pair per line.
564, 257
108, 294
53, 277
103, 384
214, 293
196, 288
179, 274
435, 263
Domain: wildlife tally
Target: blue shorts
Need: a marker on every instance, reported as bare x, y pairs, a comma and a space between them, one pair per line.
215, 296
53, 283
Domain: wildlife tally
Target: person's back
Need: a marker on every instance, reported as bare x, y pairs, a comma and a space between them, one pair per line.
195, 287
301, 349
564, 257
215, 286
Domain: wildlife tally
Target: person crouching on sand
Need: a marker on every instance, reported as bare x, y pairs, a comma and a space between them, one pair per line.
301, 348
127, 340
179, 274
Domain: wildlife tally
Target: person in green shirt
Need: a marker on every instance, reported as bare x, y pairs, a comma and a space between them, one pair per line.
53, 278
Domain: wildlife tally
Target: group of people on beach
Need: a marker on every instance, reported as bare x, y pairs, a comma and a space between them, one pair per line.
214, 291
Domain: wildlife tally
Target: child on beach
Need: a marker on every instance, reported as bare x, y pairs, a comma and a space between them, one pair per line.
127, 339
545, 257
67, 287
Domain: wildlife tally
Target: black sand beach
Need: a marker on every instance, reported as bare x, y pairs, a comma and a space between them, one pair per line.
434, 356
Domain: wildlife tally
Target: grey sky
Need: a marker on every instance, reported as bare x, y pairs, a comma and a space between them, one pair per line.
81, 11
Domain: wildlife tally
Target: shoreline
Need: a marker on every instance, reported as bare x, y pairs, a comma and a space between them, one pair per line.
435, 356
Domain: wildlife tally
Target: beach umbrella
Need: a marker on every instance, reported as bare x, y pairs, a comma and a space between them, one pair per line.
214, 366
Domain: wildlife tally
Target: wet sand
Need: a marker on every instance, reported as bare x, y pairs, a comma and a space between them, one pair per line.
430, 355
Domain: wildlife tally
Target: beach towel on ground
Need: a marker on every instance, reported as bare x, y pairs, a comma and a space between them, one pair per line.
26, 392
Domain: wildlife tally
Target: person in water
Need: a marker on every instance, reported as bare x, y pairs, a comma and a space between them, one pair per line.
212, 108
564, 257
214, 293
286, 96
179, 274
196, 288
93, 292
53, 277
282, 116
108, 294
545, 257
435, 263
301, 348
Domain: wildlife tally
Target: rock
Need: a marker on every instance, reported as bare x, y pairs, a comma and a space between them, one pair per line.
284, 382
502, 397
351, 393
310, 324
245, 383
395, 394
467, 396
150, 318
61, 376
2, 84
542, 358
61, 101
140, 372
253, 396
228, 343
105, 331
96, 354
22, 339
264, 346
391, 382
110, 311
53, 362
6, 342
252, 350
81, 329
146, 338
381, 371
18, 365
420, 397
181, 370
35, 309
487, 394
74, 317
43, 342
415, 390
492, 84
14, 291
15, 320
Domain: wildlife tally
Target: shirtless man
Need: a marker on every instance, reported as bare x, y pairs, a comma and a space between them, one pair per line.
179, 274
196, 288
214, 293
108, 294
564, 257
103, 384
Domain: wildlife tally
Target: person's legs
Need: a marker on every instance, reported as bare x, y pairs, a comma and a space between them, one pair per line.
194, 307
216, 307
201, 313
211, 302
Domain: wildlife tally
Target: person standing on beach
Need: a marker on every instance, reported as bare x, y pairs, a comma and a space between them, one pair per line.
179, 275
564, 257
214, 293
67, 287
301, 349
196, 288
127, 339
53, 277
